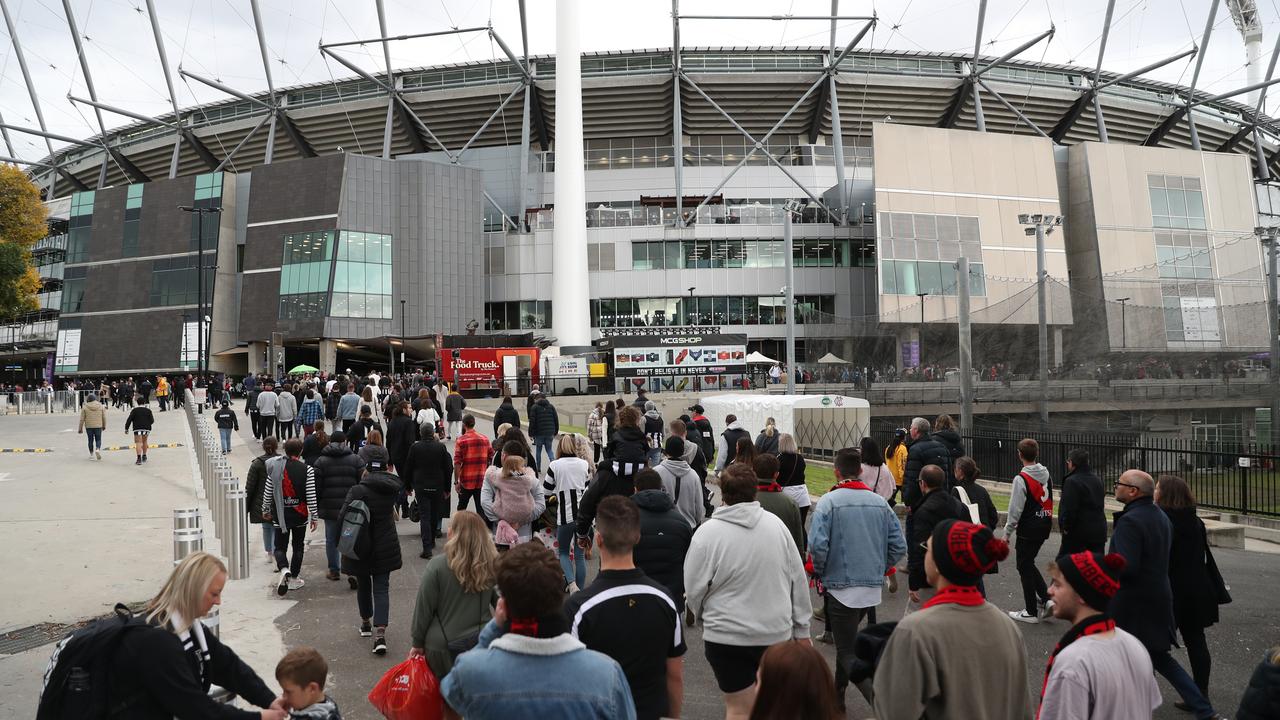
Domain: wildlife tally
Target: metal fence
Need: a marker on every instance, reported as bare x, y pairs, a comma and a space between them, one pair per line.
221, 488
38, 402
1060, 391
1231, 477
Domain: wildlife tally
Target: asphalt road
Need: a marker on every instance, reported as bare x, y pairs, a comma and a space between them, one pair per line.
325, 617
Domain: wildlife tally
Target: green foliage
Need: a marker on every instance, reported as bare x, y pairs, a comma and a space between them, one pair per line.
22, 224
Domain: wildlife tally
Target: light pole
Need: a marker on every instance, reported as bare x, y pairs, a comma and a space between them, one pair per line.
688, 311
402, 336
200, 268
920, 340
1268, 236
1124, 329
1041, 225
788, 208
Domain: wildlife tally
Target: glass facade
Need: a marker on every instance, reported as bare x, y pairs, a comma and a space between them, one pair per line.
208, 195
362, 276
73, 279
517, 315
912, 277
731, 310
132, 219
80, 227
174, 281
710, 151
705, 254
304, 274
1176, 202
919, 251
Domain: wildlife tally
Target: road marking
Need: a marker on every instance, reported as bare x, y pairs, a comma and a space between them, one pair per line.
25, 450
4, 477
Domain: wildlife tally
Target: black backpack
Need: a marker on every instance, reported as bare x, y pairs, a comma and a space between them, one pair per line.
77, 682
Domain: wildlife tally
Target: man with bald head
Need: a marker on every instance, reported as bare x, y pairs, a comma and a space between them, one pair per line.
1143, 606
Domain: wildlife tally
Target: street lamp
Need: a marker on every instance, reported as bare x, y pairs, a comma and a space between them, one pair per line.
788, 208
920, 341
200, 268
1124, 337
688, 311
1040, 225
402, 335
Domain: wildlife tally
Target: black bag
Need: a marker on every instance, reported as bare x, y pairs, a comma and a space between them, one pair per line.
354, 540
415, 513
78, 680
1221, 591
457, 646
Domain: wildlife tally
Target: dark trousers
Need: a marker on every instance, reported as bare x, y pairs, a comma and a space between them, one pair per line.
843, 623
596, 449
1072, 545
1164, 664
284, 429
1198, 654
373, 596
465, 495
1033, 587
294, 537
267, 425
255, 425
432, 505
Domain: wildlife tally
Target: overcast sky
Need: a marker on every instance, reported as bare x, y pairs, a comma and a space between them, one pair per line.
216, 38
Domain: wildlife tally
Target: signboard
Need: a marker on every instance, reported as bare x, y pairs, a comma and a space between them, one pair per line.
661, 330
1200, 319
567, 367
911, 354
483, 368
710, 359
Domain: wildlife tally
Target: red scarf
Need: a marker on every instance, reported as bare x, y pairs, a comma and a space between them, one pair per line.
965, 595
771, 486
851, 485
1089, 626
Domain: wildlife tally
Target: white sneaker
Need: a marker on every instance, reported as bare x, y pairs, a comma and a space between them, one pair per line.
1023, 616
296, 583
97, 455
1046, 610
892, 582
282, 587
271, 558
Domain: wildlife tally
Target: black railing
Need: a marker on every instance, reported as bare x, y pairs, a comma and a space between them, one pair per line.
1127, 391
1228, 476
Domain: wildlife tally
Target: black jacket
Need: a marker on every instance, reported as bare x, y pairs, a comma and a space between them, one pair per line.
381, 492
922, 452
226, 419
767, 444
664, 540
791, 467
151, 662
454, 405
707, 437
628, 445
337, 471
932, 509
543, 419
255, 484
1194, 602
1081, 515
250, 399
607, 483
359, 430
506, 413
978, 495
429, 467
140, 418
1261, 700
1143, 606
402, 433
954, 444
731, 438
311, 449
331, 403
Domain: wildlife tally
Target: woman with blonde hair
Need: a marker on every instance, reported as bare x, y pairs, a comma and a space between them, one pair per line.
791, 467
566, 483
166, 669
767, 440
456, 596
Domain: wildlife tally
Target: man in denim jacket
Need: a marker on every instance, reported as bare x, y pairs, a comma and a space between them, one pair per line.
529, 638
854, 538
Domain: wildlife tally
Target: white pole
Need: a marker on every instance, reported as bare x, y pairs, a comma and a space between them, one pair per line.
790, 308
966, 347
570, 289
1043, 339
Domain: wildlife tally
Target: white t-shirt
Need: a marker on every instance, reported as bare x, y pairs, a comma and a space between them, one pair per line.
857, 597
1099, 677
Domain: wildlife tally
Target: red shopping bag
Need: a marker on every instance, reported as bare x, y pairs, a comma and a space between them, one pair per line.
409, 691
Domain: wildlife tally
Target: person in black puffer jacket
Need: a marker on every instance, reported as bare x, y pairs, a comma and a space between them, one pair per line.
380, 490
337, 471
1082, 515
544, 425
427, 472
923, 450
946, 432
629, 445
1261, 700
664, 536
254, 486
506, 413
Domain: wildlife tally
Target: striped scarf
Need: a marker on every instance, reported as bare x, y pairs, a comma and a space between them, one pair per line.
1091, 625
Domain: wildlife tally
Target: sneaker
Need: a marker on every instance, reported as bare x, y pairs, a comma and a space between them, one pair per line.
297, 583
826, 637
1023, 616
820, 613
144, 458
97, 455
425, 554
366, 630
380, 642
138, 461
352, 582
1046, 610
333, 575
282, 587
892, 583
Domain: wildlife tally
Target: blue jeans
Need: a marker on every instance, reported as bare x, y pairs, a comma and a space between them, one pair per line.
575, 570
268, 538
538, 444
332, 529
654, 457
94, 435
1164, 664
374, 598
226, 439
431, 507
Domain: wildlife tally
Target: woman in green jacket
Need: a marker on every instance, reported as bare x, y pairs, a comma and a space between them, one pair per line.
456, 597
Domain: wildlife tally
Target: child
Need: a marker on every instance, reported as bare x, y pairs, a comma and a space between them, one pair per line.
512, 500
301, 674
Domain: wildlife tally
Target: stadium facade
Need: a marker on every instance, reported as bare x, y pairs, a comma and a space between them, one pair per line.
351, 218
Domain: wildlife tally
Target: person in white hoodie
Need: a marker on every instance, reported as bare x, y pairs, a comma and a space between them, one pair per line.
1031, 517
681, 482
744, 580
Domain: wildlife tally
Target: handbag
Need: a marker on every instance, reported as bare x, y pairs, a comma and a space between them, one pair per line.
415, 513
1221, 591
457, 646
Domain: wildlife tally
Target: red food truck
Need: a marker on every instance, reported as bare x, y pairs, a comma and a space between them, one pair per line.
481, 372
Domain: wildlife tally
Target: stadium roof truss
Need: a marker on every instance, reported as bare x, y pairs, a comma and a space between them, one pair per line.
757, 93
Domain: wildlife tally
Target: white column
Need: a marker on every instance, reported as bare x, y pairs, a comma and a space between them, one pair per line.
571, 319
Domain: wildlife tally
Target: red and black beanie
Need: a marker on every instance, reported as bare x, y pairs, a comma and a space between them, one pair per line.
1095, 577
964, 552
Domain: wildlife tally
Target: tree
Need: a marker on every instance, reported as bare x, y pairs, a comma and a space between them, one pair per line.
22, 224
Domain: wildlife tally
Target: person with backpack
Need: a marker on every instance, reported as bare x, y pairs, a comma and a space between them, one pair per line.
1031, 517
376, 552
705, 434
289, 501
141, 421
653, 431
512, 498
157, 665
338, 469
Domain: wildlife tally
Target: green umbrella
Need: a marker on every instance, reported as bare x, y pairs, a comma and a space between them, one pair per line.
303, 369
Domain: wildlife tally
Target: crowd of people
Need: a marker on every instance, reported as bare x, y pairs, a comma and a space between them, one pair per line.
697, 528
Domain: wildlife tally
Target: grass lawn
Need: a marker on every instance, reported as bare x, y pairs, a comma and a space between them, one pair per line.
821, 478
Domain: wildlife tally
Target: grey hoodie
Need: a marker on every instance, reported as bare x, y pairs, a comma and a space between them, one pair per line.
744, 579
688, 500
1019, 497
326, 709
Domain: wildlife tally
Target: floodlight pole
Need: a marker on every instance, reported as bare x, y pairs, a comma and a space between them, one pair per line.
1041, 222
1097, 71
979, 119
266, 69
837, 139
31, 88
790, 300
966, 346
1195, 76
173, 96
1268, 236
88, 81
677, 115
1124, 328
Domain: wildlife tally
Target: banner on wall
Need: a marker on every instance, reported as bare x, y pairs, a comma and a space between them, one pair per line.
1200, 319
679, 355
911, 354
68, 350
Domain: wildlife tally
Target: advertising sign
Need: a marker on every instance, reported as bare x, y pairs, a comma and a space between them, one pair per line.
680, 355
1200, 319
911, 353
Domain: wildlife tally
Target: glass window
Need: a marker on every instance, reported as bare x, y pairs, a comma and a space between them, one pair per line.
930, 277
977, 280
720, 311
906, 277
888, 278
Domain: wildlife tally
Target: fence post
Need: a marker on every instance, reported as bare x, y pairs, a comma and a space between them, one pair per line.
236, 542
1243, 462
188, 537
